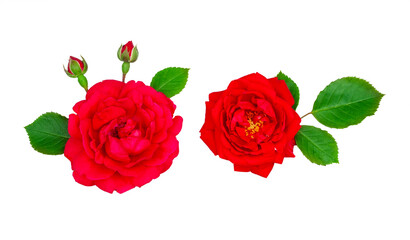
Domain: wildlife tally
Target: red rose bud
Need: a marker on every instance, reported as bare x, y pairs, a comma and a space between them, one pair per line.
128, 52
76, 69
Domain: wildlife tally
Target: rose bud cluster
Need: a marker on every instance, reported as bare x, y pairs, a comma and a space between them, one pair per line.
251, 123
123, 135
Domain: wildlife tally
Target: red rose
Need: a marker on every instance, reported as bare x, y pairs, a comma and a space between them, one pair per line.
251, 123
122, 135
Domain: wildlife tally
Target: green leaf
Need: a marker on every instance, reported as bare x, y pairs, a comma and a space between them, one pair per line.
48, 134
170, 81
294, 90
346, 101
317, 145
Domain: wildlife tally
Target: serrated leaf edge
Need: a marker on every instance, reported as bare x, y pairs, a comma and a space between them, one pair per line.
163, 84
30, 137
381, 95
337, 148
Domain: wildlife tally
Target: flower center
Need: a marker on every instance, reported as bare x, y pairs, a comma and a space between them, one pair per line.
255, 123
123, 129
116, 131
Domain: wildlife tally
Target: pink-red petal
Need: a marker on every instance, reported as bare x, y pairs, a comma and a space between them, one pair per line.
82, 164
116, 182
74, 126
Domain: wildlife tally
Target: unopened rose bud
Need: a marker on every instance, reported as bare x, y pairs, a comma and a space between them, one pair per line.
127, 52
76, 69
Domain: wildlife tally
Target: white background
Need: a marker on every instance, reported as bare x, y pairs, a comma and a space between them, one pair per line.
366, 196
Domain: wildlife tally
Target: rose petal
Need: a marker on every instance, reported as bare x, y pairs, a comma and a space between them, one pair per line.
289, 148
145, 155
89, 107
265, 107
82, 164
106, 115
106, 88
162, 153
176, 126
134, 145
208, 136
282, 90
136, 97
128, 105
167, 164
146, 177
215, 96
141, 174
159, 137
74, 126
81, 179
77, 106
116, 182
261, 170
86, 133
115, 150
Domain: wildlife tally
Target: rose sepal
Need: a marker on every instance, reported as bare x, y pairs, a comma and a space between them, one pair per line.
134, 54
125, 56
68, 73
75, 67
119, 53
85, 65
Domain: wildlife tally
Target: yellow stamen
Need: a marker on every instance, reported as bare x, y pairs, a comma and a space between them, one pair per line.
254, 127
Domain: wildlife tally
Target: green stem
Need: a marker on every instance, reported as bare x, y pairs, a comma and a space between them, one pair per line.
82, 80
125, 69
